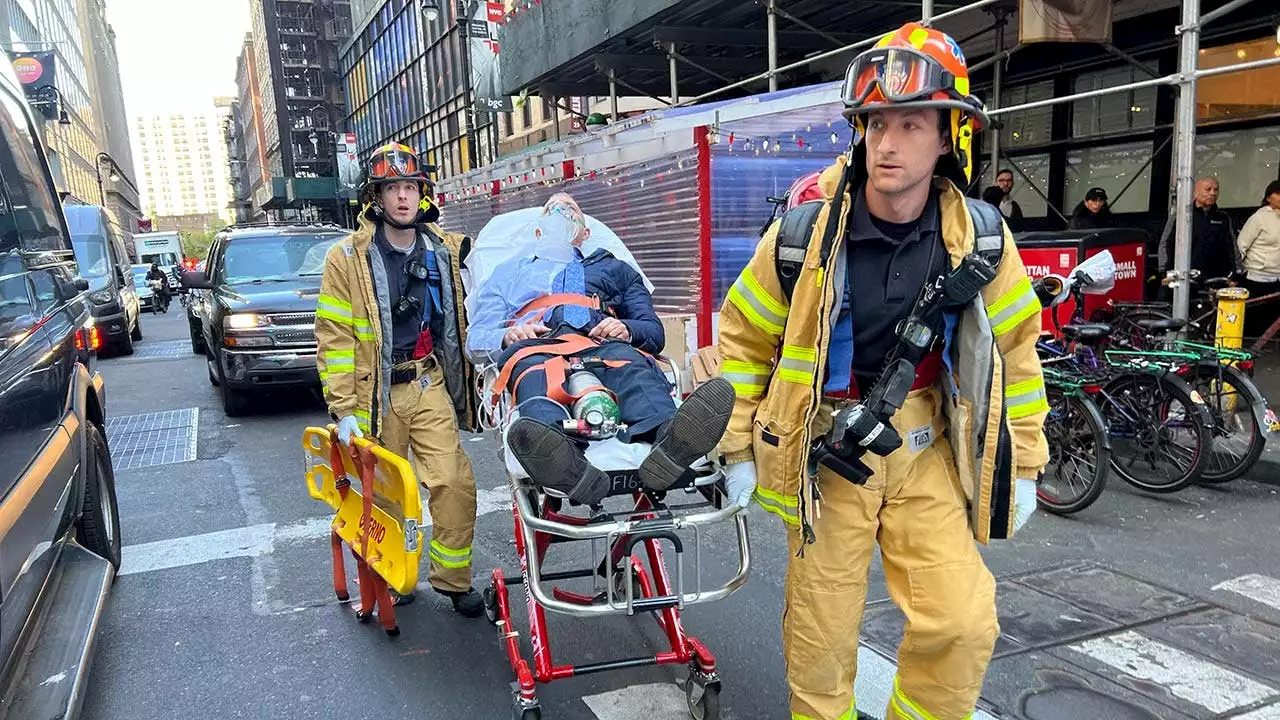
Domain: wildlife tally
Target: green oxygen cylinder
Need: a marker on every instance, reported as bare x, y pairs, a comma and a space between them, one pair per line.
596, 408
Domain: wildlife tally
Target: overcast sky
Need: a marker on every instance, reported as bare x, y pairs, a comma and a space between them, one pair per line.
175, 55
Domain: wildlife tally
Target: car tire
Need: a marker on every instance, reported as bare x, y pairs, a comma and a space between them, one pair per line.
235, 403
198, 346
98, 528
210, 365
126, 344
136, 333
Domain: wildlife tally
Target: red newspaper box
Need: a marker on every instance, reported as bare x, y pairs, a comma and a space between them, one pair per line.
1046, 253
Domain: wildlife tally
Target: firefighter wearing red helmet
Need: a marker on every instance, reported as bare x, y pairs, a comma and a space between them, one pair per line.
390, 330
888, 389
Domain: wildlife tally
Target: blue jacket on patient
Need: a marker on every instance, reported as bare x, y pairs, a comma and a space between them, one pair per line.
520, 280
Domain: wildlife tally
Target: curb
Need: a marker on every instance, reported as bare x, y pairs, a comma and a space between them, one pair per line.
1267, 470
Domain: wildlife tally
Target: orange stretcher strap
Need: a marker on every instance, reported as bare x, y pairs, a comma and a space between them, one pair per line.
541, 305
564, 345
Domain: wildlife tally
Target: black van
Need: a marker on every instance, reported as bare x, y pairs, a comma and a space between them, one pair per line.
59, 526
104, 262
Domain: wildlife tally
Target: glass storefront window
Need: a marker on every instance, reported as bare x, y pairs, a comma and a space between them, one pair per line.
1037, 168
1243, 161
1027, 128
1110, 168
1249, 94
1113, 112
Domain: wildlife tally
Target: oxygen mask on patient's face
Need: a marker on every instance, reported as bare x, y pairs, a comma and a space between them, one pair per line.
556, 231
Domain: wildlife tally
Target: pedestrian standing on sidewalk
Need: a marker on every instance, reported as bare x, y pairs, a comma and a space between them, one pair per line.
390, 329
806, 334
1259, 245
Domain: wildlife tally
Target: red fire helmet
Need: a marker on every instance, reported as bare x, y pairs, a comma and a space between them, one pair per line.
804, 190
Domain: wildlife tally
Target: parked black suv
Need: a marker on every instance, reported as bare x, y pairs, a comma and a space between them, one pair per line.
257, 320
59, 528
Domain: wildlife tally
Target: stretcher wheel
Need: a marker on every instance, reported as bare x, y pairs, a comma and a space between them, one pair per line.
703, 700
491, 604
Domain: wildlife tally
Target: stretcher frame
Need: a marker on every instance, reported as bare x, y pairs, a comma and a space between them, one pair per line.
650, 523
387, 547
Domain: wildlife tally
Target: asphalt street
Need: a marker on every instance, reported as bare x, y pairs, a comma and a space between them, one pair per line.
1143, 606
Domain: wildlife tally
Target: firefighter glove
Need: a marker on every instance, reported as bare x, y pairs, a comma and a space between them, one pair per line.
347, 427
740, 482
1024, 502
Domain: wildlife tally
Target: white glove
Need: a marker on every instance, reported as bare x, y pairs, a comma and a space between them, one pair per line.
740, 482
1024, 502
347, 427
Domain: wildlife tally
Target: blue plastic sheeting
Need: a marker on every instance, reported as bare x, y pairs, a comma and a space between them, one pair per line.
742, 179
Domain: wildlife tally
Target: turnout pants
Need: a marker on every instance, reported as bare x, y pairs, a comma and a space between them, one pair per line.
914, 508
421, 418
644, 395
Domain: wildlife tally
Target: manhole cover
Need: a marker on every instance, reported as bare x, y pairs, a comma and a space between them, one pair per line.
161, 438
163, 349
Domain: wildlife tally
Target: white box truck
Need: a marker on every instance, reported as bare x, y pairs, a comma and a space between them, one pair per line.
163, 249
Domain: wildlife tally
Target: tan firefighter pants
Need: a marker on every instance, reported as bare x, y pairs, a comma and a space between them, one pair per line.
421, 418
915, 509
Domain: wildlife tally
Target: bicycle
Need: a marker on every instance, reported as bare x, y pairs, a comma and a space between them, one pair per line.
1145, 406
1236, 405
1079, 447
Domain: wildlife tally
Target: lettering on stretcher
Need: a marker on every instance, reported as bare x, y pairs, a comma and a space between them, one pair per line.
376, 531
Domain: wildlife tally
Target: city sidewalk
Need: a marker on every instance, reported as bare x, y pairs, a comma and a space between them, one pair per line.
1266, 374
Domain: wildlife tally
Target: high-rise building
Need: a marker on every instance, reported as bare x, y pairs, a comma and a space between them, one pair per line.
183, 159
80, 104
407, 71
291, 91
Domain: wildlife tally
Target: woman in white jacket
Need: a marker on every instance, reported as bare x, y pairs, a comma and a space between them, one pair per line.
1259, 246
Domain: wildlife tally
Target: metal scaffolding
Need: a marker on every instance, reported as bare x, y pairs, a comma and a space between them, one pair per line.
1185, 80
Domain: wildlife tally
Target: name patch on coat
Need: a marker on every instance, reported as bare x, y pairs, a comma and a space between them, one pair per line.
920, 438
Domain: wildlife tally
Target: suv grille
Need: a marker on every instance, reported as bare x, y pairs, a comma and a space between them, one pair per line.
293, 328
286, 319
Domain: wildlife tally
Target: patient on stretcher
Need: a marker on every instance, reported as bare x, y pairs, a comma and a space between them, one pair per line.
567, 328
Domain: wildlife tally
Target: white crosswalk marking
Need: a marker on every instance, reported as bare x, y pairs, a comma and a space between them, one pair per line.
652, 701
1270, 712
258, 540
660, 701
1184, 675
1261, 588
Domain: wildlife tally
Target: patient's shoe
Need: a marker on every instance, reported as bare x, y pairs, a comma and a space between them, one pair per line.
695, 430
552, 460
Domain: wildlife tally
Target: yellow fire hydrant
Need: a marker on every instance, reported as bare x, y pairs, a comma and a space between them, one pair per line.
1229, 329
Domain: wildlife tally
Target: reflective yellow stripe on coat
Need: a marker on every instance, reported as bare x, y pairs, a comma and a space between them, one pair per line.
1016, 305
760, 308
748, 379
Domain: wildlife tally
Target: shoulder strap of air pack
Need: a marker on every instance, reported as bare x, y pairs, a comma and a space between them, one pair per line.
988, 230
794, 231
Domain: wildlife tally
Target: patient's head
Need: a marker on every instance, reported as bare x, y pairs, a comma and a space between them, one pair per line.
564, 204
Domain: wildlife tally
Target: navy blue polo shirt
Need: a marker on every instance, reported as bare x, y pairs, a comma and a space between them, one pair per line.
889, 265
404, 329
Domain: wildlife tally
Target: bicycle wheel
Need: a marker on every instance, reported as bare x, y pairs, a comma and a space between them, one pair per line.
1160, 434
1231, 397
1079, 453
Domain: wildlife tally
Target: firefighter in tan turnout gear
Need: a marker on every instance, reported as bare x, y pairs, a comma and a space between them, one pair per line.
390, 330
882, 345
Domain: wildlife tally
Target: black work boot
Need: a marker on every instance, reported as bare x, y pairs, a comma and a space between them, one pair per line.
467, 604
398, 599
552, 460
695, 431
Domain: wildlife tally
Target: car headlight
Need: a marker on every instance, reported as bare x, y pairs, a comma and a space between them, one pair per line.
101, 297
242, 321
